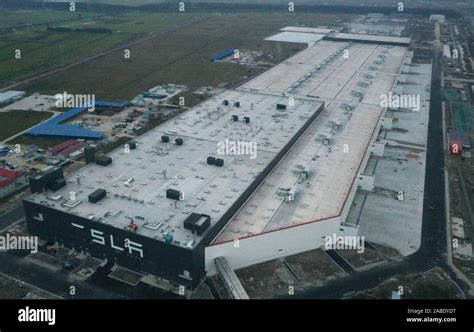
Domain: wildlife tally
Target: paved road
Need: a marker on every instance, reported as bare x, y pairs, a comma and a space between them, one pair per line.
56, 283
12, 216
99, 286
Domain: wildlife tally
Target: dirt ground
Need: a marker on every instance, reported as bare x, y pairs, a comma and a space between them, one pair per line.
434, 284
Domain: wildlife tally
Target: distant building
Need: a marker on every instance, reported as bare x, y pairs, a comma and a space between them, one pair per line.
437, 18
68, 149
6, 97
395, 295
223, 55
460, 137
446, 51
4, 150
10, 181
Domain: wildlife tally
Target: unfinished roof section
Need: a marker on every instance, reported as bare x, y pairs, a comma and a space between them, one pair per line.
371, 39
323, 166
296, 37
334, 70
136, 181
319, 30
383, 219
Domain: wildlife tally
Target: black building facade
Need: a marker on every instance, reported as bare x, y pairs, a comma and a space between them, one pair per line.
180, 265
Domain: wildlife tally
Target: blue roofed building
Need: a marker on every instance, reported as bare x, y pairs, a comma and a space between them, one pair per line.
55, 129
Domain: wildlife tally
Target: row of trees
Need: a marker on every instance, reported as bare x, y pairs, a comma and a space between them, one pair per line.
88, 30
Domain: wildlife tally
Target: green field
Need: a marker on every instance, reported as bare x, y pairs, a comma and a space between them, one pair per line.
13, 122
19, 19
182, 56
41, 49
461, 116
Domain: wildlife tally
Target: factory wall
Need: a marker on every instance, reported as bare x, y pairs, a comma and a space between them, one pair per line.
280, 243
362, 41
126, 248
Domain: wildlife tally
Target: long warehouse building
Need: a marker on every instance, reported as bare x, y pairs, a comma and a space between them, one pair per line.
175, 201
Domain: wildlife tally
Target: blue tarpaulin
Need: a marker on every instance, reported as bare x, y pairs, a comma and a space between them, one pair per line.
223, 55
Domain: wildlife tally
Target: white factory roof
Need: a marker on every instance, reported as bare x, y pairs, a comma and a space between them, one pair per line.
321, 72
296, 37
350, 86
319, 30
208, 189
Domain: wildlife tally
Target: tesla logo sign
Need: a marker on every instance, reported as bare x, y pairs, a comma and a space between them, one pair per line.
132, 247
126, 245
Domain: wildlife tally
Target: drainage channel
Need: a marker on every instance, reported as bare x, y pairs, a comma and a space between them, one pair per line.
294, 273
340, 261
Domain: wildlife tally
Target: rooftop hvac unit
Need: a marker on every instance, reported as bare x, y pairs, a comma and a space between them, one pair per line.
97, 195
287, 193
283, 191
179, 141
280, 107
327, 140
305, 172
89, 153
175, 194
246, 119
103, 160
291, 196
57, 184
219, 162
211, 160
190, 221
165, 139
197, 223
235, 118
